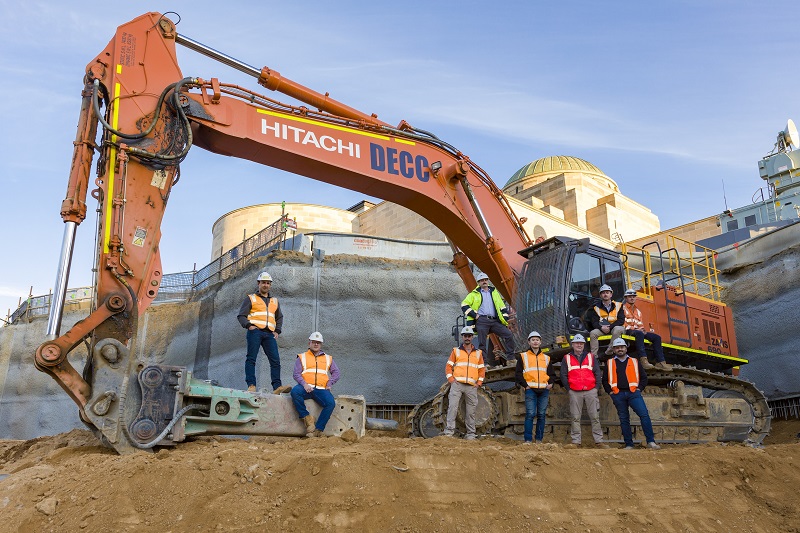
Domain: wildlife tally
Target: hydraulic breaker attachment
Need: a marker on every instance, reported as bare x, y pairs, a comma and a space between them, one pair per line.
174, 406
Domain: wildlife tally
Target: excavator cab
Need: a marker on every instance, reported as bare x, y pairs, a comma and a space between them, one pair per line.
560, 283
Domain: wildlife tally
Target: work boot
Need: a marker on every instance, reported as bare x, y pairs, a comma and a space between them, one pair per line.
571, 446
282, 389
645, 363
662, 365
653, 446
251, 388
601, 445
310, 427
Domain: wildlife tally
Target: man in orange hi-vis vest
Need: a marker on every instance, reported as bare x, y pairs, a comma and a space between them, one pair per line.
624, 379
260, 314
465, 371
315, 373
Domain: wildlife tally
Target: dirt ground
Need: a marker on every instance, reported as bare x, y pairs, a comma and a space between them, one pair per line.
68, 482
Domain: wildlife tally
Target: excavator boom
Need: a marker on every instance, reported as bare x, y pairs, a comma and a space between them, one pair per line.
151, 115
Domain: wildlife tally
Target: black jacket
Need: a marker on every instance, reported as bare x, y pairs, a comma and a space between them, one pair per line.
244, 310
593, 320
622, 377
518, 371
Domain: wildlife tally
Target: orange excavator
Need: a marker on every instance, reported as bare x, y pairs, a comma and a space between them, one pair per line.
150, 116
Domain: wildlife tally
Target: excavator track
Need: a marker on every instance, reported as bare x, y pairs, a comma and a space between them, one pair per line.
687, 405
762, 417
486, 414
421, 422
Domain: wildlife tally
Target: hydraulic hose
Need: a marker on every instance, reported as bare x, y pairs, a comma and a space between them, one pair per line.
107, 126
180, 414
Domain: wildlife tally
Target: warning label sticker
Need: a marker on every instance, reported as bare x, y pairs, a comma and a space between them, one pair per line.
159, 179
139, 236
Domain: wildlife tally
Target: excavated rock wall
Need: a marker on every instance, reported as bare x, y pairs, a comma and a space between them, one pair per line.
386, 322
764, 296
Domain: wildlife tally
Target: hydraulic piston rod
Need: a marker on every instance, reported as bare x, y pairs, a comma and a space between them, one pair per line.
62, 277
273, 81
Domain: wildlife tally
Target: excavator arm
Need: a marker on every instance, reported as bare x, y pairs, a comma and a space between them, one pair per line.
151, 115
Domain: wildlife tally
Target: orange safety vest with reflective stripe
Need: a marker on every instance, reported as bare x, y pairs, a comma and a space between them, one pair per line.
633, 317
261, 315
580, 375
534, 369
631, 370
465, 367
316, 368
610, 316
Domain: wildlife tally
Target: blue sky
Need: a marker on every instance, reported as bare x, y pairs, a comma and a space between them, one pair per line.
669, 99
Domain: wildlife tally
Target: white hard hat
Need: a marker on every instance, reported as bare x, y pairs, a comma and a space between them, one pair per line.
619, 342
481, 276
578, 338
316, 336
605, 287
534, 334
468, 330
264, 276
630, 292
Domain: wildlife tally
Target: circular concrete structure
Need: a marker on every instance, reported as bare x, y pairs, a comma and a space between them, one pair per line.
232, 228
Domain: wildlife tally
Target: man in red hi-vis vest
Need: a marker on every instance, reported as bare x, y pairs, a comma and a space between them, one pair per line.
624, 379
580, 375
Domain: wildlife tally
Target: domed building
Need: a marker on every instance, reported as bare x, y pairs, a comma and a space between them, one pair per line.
556, 195
580, 193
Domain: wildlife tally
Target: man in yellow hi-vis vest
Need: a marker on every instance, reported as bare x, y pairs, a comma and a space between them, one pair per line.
260, 314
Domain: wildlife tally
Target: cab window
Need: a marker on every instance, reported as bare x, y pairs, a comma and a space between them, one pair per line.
612, 276
584, 287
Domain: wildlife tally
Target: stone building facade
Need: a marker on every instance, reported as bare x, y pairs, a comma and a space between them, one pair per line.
580, 193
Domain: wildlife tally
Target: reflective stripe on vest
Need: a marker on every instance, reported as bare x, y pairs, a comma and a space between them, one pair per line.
534, 369
580, 375
463, 367
610, 316
631, 370
633, 317
316, 368
260, 315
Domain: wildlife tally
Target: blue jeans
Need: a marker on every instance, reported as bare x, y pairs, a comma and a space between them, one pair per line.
625, 399
262, 338
639, 337
323, 397
535, 406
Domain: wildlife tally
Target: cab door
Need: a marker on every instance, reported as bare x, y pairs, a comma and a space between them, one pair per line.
590, 270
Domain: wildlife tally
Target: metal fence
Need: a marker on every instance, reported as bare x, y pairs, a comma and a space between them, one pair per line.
239, 256
785, 408
179, 286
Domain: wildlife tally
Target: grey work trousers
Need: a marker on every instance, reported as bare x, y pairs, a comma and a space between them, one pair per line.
594, 343
470, 393
577, 398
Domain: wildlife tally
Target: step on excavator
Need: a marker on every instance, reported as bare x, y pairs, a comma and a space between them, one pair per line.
141, 116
